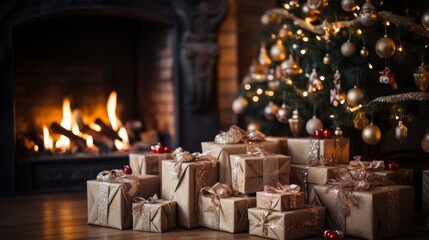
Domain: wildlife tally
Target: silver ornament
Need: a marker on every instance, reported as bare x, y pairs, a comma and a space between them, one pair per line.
368, 15
270, 110
401, 132
371, 134
338, 132
385, 47
348, 49
354, 97
425, 19
348, 5
239, 105
312, 125
282, 113
364, 52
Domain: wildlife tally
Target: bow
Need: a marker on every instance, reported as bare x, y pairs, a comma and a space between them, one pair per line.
366, 165
263, 222
181, 156
137, 208
237, 135
216, 192
293, 188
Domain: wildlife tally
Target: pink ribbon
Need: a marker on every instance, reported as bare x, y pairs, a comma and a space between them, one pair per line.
216, 192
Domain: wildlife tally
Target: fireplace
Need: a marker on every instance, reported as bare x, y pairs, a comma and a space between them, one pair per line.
81, 53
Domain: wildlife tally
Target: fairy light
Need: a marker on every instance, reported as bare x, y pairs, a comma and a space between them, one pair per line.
247, 87
269, 93
318, 38
396, 117
332, 116
305, 39
273, 36
359, 32
305, 94
299, 31
387, 23
286, 6
255, 98
355, 14
370, 66
294, 46
322, 78
259, 91
303, 51
357, 8
400, 49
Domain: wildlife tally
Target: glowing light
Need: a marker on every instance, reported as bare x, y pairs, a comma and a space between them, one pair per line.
332, 116
400, 49
299, 31
64, 142
318, 38
359, 32
111, 109
269, 93
259, 91
294, 46
48, 142
255, 98
89, 141
286, 6
370, 66
305, 94
95, 127
303, 51
397, 117
125, 142
247, 86
36, 148
305, 39
322, 78
355, 14
273, 36
387, 23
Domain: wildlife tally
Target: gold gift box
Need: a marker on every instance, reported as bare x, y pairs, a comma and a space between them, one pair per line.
232, 213
119, 208
382, 212
295, 224
222, 153
185, 189
249, 171
157, 217
280, 201
299, 149
147, 163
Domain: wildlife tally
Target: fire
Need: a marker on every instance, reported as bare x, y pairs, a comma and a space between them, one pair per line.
111, 110
66, 122
48, 142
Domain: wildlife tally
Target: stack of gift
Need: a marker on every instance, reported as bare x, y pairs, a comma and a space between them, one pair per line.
149, 163
362, 204
221, 208
110, 197
281, 214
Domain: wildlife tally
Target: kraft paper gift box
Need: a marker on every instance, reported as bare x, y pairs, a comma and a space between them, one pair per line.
279, 202
185, 189
147, 163
281, 143
158, 216
110, 206
231, 216
380, 213
295, 224
401, 177
250, 173
222, 153
310, 150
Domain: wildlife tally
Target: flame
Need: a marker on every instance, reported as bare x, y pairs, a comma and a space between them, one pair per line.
66, 122
111, 109
89, 141
95, 127
48, 142
125, 142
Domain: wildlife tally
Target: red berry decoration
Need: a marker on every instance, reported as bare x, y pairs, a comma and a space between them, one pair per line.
127, 169
333, 235
327, 133
157, 148
393, 166
318, 133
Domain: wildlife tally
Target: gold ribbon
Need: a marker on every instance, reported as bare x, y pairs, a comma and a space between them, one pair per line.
216, 192
180, 156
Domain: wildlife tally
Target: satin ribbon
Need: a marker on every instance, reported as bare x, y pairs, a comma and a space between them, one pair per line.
216, 192
279, 188
366, 165
143, 208
137, 208
180, 156
263, 222
237, 135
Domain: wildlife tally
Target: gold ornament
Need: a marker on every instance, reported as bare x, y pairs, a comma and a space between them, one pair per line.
270, 110
348, 49
364, 52
348, 5
385, 47
278, 51
425, 19
421, 78
296, 123
371, 134
282, 113
327, 59
338, 132
289, 66
239, 105
360, 121
354, 97
401, 132
425, 142
308, 14
263, 58
368, 15
312, 125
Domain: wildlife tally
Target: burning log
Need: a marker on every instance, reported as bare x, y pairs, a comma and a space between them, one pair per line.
108, 131
80, 142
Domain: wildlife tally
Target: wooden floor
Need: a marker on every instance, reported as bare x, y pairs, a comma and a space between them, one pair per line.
64, 216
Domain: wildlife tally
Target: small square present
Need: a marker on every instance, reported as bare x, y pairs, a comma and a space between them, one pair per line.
184, 185
110, 203
250, 173
295, 224
280, 198
221, 211
314, 151
222, 153
379, 213
154, 215
147, 163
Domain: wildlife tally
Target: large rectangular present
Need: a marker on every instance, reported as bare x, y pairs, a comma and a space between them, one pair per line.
295, 224
278, 201
250, 173
222, 153
402, 176
110, 204
147, 163
185, 188
313, 151
379, 213
158, 216
281, 143
229, 216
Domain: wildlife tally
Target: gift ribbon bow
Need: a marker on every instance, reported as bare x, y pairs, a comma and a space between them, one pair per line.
180, 156
366, 165
237, 135
263, 222
216, 192
293, 188
137, 209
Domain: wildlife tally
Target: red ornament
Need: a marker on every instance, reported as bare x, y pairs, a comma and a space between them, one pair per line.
167, 149
157, 148
327, 133
387, 77
318, 133
127, 169
331, 235
393, 166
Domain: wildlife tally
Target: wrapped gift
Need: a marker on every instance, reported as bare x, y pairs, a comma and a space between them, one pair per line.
315, 151
154, 215
281, 143
378, 213
250, 173
295, 224
182, 181
220, 210
280, 198
147, 163
222, 153
110, 199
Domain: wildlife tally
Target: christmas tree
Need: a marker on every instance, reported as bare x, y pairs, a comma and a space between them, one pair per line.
354, 67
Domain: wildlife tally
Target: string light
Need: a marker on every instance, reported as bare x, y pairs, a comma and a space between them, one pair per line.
247, 86
305, 39
305, 94
259, 91
370, 66
255, 98
322, 78
303, 51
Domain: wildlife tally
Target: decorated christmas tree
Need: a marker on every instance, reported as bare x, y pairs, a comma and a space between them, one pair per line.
349, 67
